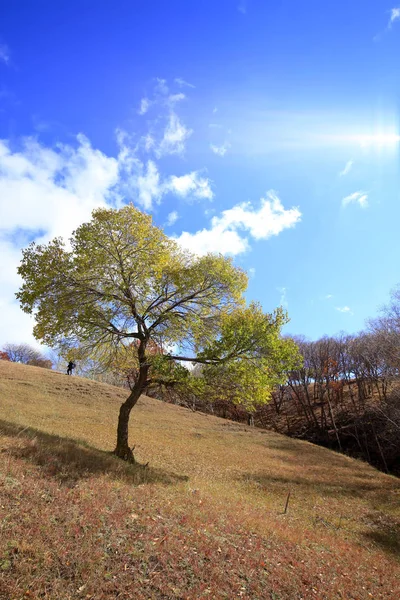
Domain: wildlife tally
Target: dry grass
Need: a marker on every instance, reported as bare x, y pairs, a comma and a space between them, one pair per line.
203, 520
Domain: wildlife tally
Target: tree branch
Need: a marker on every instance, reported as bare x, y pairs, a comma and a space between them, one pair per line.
194, 359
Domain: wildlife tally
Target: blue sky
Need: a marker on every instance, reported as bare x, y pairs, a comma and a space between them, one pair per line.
265, 130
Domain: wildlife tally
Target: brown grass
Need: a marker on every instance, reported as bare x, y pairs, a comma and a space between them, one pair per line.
203, 520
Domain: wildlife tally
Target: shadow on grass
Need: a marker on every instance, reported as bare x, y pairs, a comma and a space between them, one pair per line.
385, 533
349, 485
387, 540
69, 460
384, 527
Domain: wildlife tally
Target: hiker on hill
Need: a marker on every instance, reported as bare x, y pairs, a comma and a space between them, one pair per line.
71, 366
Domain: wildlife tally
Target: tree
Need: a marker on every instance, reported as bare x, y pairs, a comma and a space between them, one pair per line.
387, 328
4, 356
22, 353
123, 287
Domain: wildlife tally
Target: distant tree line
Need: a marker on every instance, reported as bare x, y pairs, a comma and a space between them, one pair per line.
345, 396
25, 354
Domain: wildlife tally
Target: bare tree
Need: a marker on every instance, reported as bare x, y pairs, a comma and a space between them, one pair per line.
22, 353
25, 354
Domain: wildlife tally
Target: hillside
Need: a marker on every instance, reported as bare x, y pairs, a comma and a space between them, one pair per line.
204, 520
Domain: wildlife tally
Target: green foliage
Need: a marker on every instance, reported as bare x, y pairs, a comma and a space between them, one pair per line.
250, 357
123, 278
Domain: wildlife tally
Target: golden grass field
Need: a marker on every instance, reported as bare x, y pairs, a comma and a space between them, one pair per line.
204, 519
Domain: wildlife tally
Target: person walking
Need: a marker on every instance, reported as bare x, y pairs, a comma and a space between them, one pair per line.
71, 367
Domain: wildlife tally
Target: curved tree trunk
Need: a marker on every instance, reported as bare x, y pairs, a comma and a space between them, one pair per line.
122, 449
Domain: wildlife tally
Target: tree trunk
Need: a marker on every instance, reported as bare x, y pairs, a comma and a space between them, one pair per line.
122, 449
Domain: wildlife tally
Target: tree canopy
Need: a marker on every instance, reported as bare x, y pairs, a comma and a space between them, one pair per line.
121, 287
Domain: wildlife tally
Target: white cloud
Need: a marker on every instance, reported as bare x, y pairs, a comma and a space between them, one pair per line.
4, 54
15, 326
182, 83
252, 272
344, 309
347, 168
174, 98
161, 97
224, 235
148, 142
161, 86
143, 183
47, 192
53, 189
191, 184
283, 301
167, 134
44, 193
172, 218
174, 138
358, 197
145, 104
148, 186
394, 15
220, 150
329, 296
213, 240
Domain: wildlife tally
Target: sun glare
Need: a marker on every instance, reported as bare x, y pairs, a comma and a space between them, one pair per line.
379, 140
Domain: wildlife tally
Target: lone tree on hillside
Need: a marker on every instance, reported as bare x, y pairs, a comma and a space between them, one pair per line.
122, 286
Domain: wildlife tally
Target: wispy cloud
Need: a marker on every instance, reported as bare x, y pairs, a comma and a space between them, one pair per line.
394, 16
283, 301
174, 98
182, 83
148, 142
174, 138
347, 168
143, 182
161, 97
252, 272
145, 104
225, 234
4, 54
167, 133
344, 309
242, 7
172, 218
220, 150
161, 86
328, 296
360, 198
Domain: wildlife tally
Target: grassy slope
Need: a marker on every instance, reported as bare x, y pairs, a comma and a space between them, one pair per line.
204, 520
